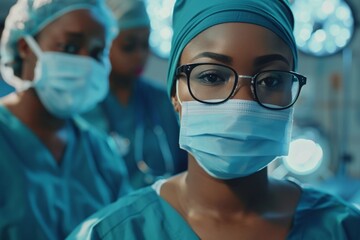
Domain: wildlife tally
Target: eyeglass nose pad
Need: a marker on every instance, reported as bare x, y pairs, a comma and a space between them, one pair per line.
235, 90
253, 91
238, 86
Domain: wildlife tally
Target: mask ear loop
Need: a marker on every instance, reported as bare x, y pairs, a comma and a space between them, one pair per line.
33, 45
177, 92
19, 84
37, 51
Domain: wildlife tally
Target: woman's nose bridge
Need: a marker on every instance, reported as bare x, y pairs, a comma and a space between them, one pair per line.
242, 81
84, 51
243, 88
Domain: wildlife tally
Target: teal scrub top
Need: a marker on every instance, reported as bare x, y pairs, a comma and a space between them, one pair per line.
41, 199
5, 88
146, 130
145, 215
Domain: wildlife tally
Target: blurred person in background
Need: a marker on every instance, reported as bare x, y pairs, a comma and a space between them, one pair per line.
4, 9
137, 113
55, 170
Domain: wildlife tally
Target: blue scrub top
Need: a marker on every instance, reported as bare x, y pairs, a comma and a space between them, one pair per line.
145, 215
41, 199
148, 111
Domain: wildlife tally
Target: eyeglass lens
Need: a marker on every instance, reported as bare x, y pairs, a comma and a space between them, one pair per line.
276, 88
212, 83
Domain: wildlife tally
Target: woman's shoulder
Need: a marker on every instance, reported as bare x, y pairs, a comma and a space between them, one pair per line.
320, 214
6, 116
115, 218
316, 199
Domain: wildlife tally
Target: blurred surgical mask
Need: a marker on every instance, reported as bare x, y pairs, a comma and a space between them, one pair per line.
30, 17
68, 84
236, 138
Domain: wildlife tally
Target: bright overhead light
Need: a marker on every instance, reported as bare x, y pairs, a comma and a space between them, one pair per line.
309, 156
322, 27
305, 157
160, 13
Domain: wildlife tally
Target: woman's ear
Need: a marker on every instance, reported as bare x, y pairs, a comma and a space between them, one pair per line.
175, 103
23, 49
26, 60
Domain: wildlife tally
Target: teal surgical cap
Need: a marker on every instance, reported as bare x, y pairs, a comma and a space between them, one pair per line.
129, 13
191, 17
29, 17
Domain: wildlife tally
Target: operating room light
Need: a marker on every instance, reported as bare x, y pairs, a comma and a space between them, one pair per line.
305, 156
322, 27
160, 13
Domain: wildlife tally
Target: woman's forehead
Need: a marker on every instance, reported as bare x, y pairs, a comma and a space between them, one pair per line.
80, 21
236, 40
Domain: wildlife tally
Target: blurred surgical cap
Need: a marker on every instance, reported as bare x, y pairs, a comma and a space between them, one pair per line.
129, 13
191, 17
29, 17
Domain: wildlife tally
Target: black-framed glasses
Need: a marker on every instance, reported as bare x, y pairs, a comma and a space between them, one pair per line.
214, 83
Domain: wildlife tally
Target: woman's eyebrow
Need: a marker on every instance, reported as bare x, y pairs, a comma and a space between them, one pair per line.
216, 56
78, 35
266, 59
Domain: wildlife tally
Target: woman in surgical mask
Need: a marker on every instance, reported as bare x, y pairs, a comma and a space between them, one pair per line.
55, 170
137, 112
232, 80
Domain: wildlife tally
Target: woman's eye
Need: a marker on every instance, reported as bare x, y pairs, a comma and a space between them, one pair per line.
129, 48
211, 78
270, 82
68, 47
133, 47
71, 48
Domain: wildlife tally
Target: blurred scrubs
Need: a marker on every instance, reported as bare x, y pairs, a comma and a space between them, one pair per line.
318, 215
40, 199
137, 112
45, 195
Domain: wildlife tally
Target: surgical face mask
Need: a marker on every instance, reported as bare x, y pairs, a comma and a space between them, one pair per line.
236, 138
68, 84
